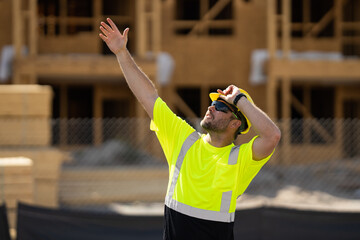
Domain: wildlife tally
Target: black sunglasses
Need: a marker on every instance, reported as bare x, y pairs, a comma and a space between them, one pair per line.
222, 107
219, 106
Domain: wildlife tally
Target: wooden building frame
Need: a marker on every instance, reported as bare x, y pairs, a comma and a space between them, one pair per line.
283, 72
155, 25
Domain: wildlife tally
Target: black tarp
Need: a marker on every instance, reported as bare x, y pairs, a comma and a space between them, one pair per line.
4, 225
270, 223
36, 223
261, 224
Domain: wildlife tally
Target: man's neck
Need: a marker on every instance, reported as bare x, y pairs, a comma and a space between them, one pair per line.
218, 140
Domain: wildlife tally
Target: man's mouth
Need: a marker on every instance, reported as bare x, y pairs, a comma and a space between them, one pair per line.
208, 115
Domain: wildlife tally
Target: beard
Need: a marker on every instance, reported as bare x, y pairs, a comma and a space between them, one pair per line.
212, 125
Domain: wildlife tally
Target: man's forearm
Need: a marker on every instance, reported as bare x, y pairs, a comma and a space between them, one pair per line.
262, 124
269, 133
138, 82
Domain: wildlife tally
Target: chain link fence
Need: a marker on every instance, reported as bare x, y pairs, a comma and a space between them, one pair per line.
127, 164
120, 161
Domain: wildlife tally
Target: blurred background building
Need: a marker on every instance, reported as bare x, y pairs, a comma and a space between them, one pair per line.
298, 59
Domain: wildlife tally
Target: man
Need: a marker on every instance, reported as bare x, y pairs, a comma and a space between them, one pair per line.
207, 172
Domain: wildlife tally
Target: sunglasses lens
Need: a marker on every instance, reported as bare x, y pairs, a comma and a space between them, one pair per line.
219, 106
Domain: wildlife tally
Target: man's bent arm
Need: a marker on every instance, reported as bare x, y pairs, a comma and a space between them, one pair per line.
269, 133
138, 82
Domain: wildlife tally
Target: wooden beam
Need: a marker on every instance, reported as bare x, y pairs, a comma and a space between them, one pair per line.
319, 44
82, 67
306, 16
204, 99
63, 101
33, 28
156, 26
307, 105
98, 114
310, 120
286, 115
51, 23
339, 116
211, 14
17, 33
300, 107
97, 102
322, 70
97, 12
271, 28
213, 24
286, 97
63, 16
117, 18
114, 92
286, 28
338, 19
204, 7
351, 40
141, 31
63, 114
307, 96
339, 102
351, 93
183, 106
351, 26
324, 21
85, 21
168, 11
271, 96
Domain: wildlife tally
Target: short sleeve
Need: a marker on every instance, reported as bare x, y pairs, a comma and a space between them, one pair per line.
170, 129
248, 168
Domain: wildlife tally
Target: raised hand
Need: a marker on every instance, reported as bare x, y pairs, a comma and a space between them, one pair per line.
229, 93
112, 36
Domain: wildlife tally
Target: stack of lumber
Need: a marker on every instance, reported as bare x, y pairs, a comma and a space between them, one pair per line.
25, 112
46, 172
16, 184
25, 131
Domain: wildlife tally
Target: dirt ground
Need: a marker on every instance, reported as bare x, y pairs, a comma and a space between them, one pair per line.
296, 198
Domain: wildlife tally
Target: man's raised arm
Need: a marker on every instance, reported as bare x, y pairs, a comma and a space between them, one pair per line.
138, 82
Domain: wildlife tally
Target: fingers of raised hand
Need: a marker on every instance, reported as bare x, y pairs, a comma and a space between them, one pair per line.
221, 92
106, 27
104, 38
104, 33
230, 89
112, 24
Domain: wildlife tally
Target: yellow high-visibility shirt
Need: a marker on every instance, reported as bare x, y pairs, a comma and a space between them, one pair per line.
205, 184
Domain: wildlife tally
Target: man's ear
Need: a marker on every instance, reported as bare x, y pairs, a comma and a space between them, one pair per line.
235, 124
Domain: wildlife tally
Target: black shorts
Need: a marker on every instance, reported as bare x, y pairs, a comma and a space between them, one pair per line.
179, 226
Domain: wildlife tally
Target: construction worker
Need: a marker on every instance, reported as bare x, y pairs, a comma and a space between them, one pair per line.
207, 172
